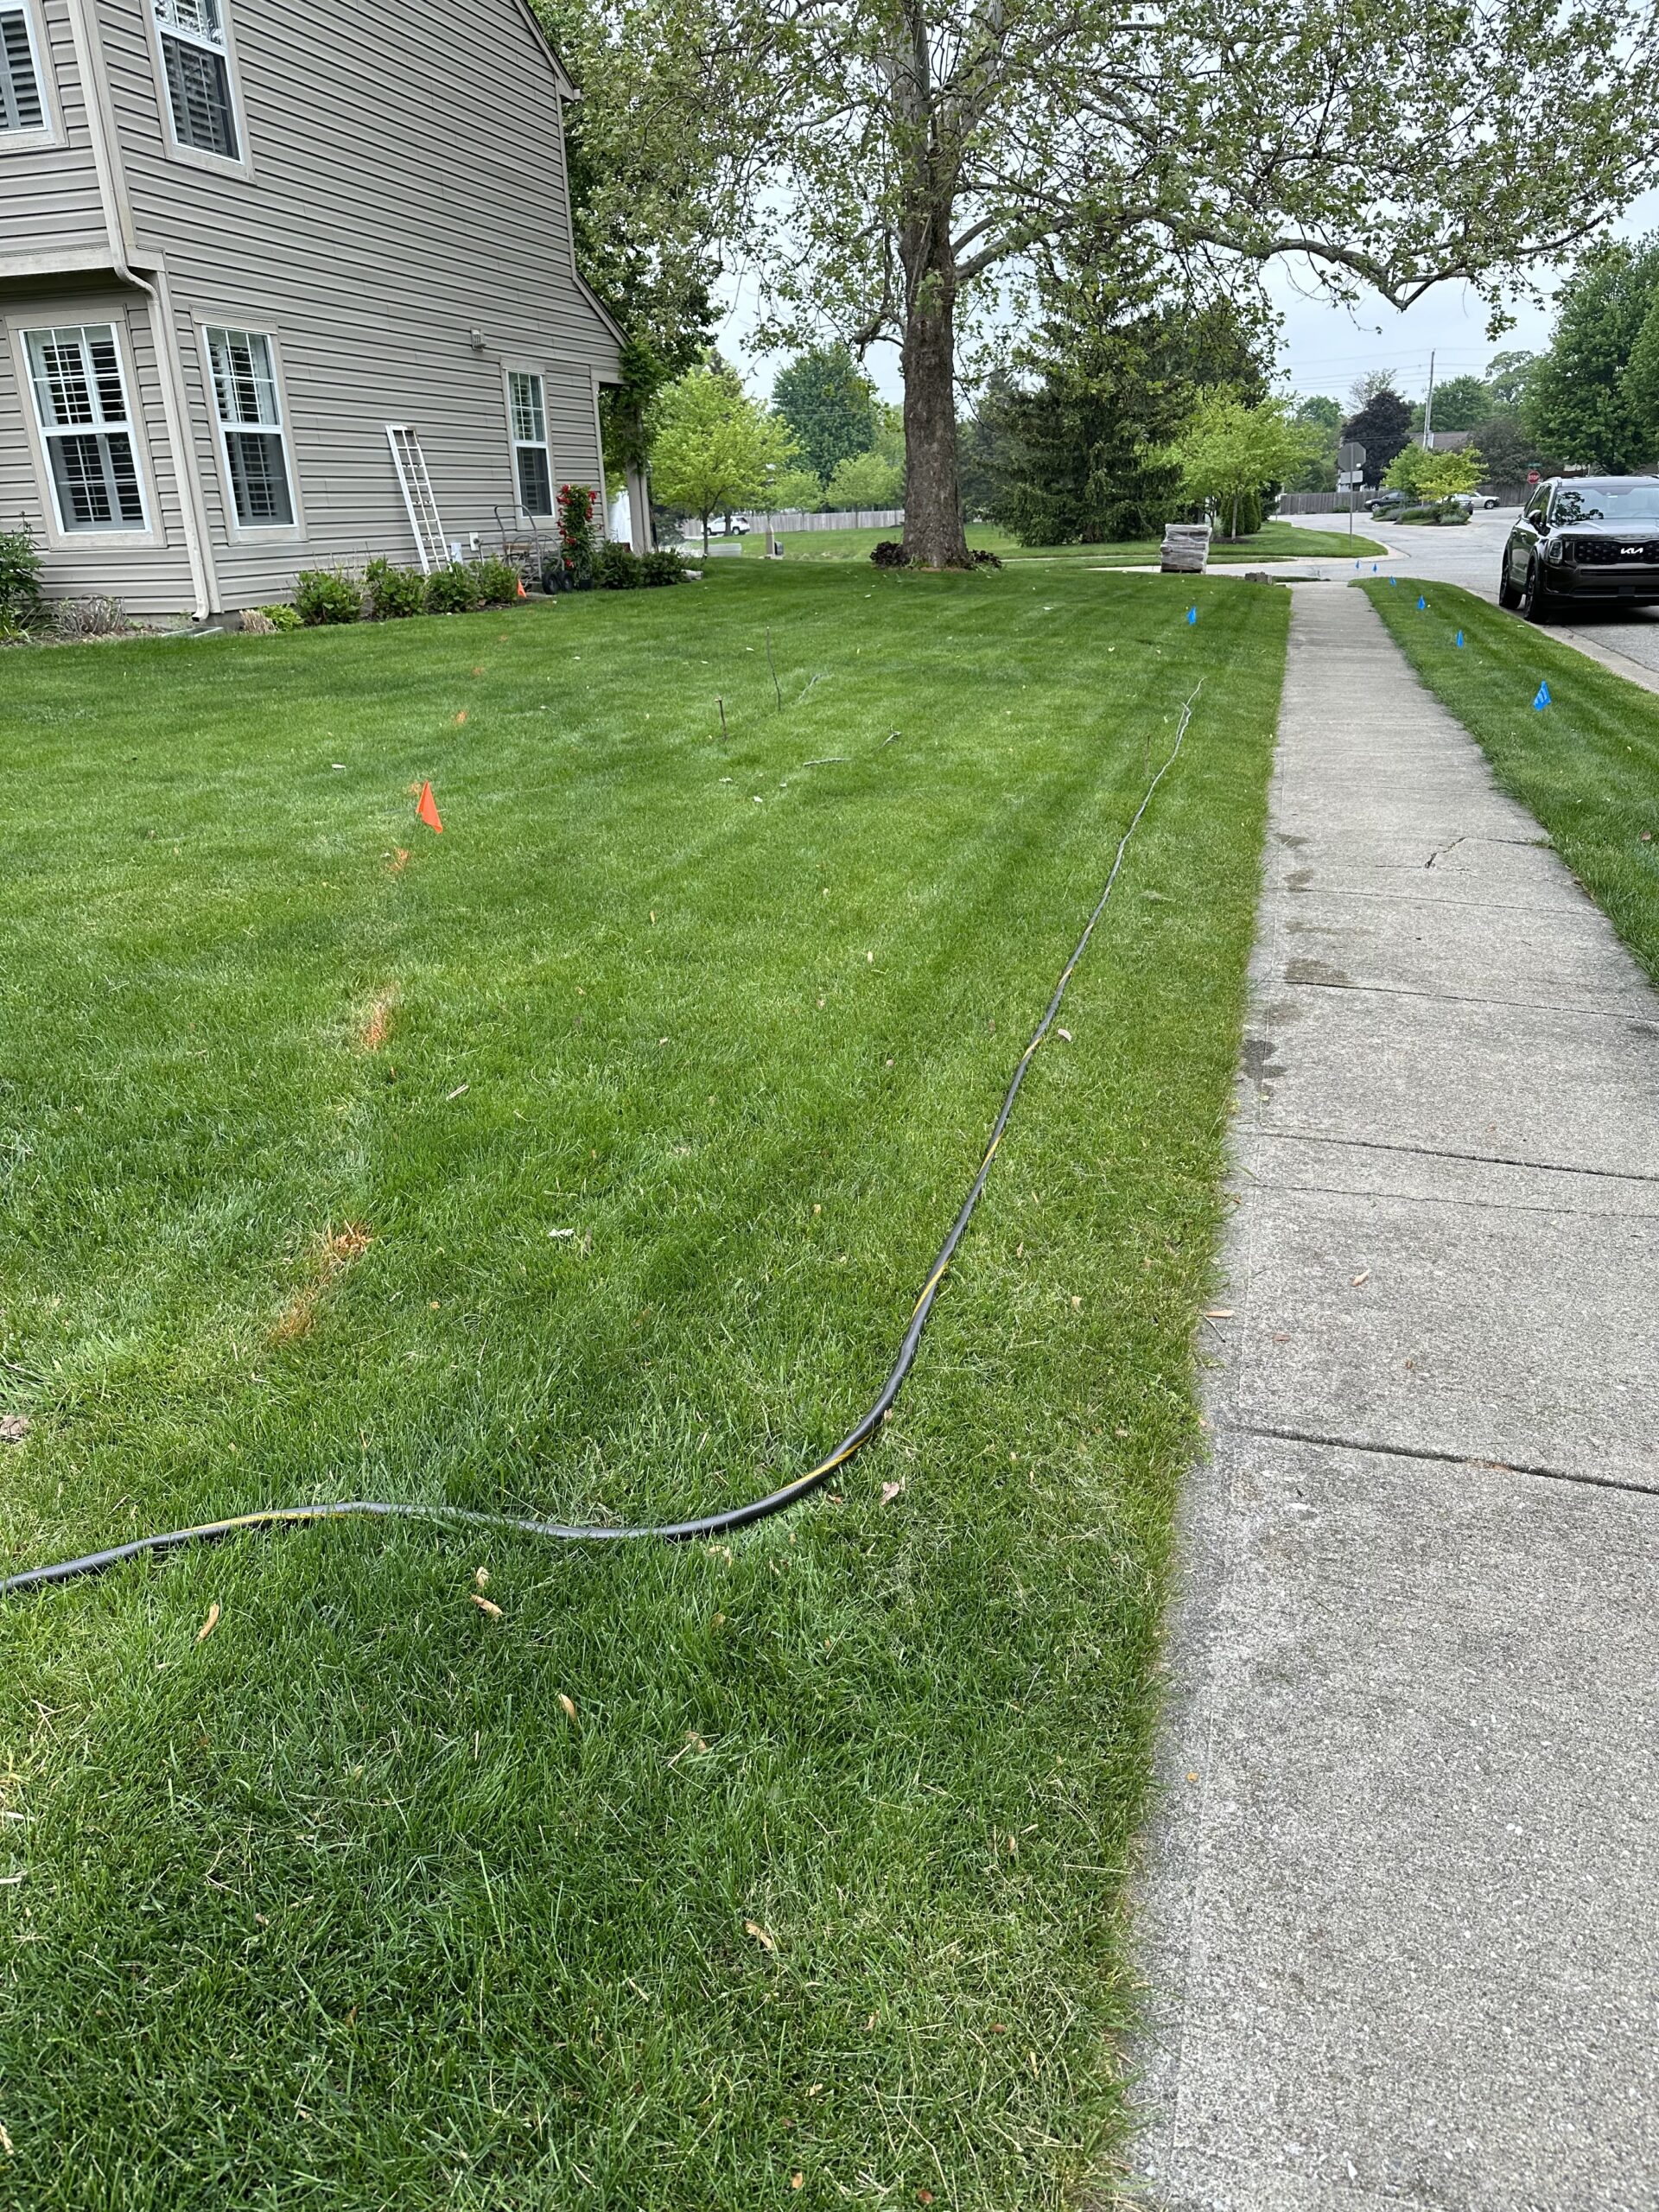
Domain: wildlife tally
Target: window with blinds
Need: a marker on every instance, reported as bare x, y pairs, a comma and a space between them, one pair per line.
22, 101
196, 61
531, 462
251, 426
85, 425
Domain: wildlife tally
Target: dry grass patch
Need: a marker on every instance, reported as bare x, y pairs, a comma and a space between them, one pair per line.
333, 1252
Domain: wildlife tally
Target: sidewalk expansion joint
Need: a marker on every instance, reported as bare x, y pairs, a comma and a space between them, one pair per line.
1475, 1459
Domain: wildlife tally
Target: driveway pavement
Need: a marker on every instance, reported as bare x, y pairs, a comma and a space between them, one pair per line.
1401, 1902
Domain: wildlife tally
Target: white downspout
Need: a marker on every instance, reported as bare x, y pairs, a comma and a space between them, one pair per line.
174, 412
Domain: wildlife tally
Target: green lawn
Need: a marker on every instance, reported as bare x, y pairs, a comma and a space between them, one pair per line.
1588, 764
586, 1159
1275, 541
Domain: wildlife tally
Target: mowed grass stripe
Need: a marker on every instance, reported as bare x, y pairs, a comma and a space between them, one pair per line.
337, 1907
1586, 765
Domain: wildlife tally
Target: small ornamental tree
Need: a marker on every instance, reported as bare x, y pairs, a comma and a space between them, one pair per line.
865, 480
714, 449
1229, 451
794, 490
1433, 476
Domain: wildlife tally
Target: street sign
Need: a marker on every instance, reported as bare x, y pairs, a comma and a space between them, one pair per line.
1350, 480
1351, 454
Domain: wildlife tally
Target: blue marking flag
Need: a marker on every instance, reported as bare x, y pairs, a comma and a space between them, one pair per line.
1459, 637
1373, 568
1394, 582
1421, 602
1192, 613
1543, 699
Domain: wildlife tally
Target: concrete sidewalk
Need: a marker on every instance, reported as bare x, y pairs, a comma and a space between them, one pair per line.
1400, 1903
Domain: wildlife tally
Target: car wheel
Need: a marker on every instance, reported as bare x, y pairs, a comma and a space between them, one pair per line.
1537, 601
1507, 594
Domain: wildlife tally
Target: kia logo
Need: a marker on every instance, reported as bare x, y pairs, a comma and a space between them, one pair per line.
1630, 552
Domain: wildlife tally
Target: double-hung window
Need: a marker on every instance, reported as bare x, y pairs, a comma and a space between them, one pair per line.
531, 464
22, 95
196, 63
86, 427
250, 408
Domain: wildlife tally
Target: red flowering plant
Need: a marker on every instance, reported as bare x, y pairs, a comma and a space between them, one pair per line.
577, 536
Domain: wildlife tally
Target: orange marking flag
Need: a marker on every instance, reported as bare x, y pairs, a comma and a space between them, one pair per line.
427, 810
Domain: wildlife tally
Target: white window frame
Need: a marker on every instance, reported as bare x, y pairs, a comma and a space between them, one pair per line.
241, 162
49, 131
543, 445
242, 326
58, 535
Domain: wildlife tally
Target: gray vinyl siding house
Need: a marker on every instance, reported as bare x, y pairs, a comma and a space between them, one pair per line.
282, 287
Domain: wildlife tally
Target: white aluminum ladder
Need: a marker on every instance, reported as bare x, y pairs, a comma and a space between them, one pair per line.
410, 463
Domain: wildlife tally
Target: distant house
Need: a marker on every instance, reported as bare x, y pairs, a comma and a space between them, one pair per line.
284, 286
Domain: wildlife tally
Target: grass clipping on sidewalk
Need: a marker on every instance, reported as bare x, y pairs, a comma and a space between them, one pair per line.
586, 1160
1586, 765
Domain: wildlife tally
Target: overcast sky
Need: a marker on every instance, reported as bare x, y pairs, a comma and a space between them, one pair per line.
1322, 348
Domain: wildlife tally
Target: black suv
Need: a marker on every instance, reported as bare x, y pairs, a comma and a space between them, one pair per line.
1584, 541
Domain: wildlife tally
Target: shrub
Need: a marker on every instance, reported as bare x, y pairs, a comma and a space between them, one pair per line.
982, 557
577, 536
394, 593
281, 616
452, 590
889, 554
665, 566
497, 582
19, 579
323, 595
617, 567
89, 618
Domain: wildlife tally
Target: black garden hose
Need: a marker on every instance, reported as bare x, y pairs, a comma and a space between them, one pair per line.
709, 1524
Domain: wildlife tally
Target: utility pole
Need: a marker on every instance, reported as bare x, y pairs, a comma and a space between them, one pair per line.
1428, 410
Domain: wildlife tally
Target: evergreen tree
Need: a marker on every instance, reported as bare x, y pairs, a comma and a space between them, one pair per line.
1079, 455
830, 405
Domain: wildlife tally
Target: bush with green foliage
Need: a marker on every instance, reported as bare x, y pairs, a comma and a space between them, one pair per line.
452, 589
325, 595
497, 582
20, 580
617, 567
394, 593
664, 566
281, 616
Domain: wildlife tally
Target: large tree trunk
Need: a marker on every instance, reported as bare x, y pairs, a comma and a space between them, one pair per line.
933, 532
